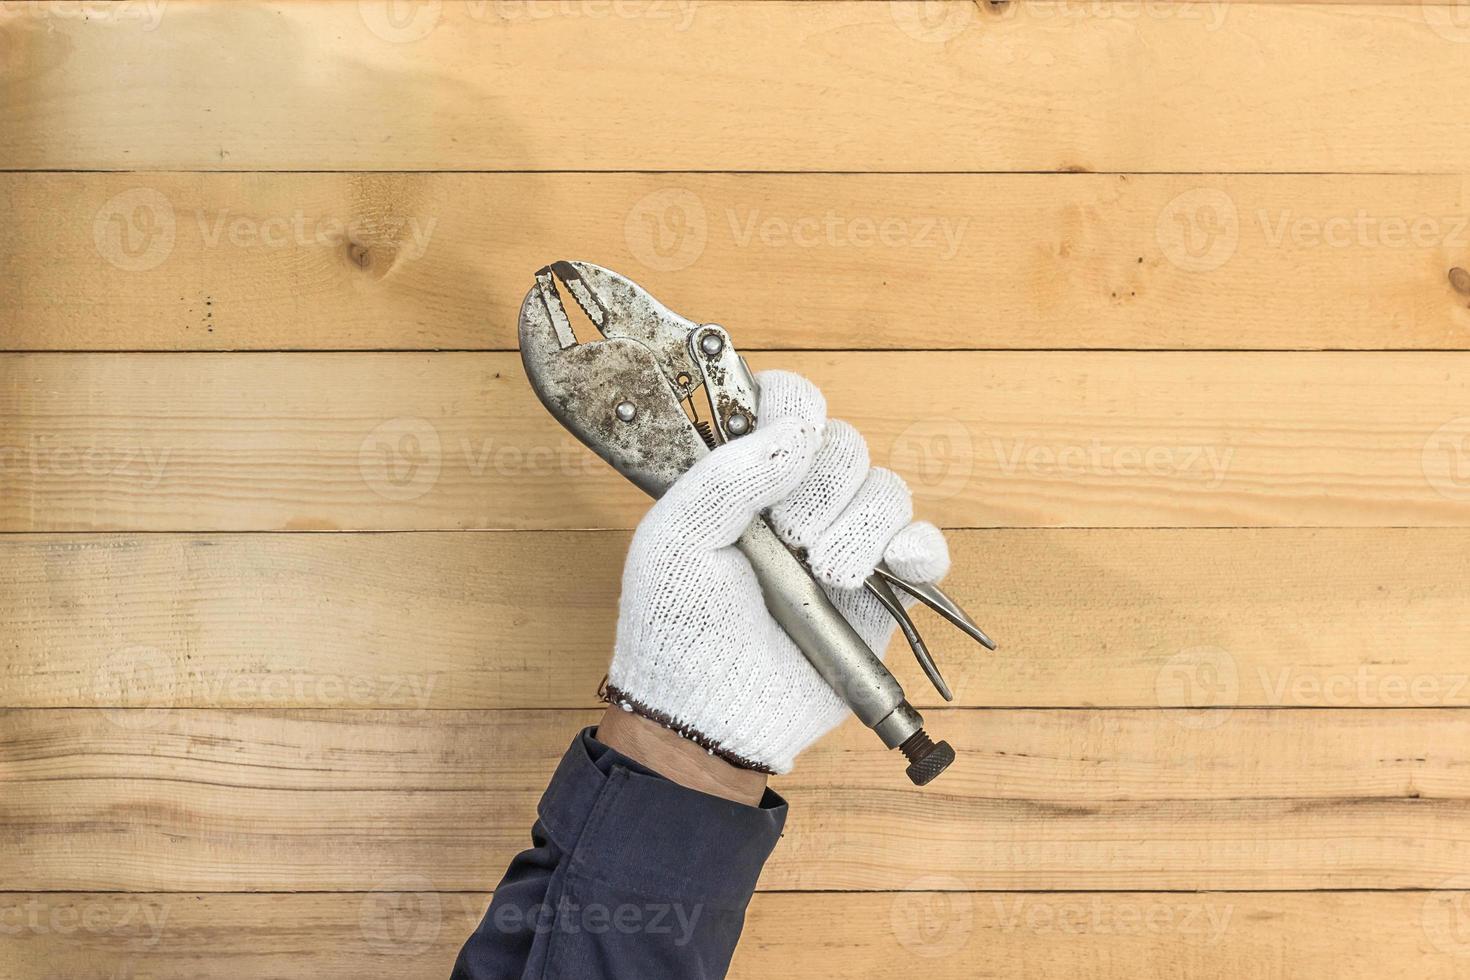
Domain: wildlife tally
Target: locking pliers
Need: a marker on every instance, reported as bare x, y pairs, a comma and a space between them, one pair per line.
633, 397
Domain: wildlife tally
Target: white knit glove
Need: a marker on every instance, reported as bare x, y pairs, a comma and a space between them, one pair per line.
696, 649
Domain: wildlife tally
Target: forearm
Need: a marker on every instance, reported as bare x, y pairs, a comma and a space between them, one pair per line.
631, 874
678, 759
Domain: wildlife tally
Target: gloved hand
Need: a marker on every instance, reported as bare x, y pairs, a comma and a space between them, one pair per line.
696, 649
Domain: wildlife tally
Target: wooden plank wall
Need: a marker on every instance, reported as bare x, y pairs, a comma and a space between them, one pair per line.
1162, 308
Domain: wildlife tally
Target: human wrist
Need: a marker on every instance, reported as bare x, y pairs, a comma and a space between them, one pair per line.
677, 758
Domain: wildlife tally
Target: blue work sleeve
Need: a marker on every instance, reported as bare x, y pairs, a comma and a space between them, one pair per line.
630, 876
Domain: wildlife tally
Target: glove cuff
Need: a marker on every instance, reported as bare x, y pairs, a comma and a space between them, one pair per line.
612, 695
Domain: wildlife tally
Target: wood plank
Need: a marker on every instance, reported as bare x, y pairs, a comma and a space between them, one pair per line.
736, 86
1194, 618
362, 261
402, 933
169, 442
186, 800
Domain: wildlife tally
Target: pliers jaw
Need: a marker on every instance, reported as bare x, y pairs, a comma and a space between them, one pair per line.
612, 394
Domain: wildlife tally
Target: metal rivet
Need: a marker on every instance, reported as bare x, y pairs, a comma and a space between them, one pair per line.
712, 344
737, 425
626, 411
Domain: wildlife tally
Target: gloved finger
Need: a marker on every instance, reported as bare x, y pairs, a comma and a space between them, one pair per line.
710, 505
839, 470
852, 545
785, 395
918, 553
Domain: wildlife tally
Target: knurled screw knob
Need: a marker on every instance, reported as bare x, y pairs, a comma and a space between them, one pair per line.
927, 759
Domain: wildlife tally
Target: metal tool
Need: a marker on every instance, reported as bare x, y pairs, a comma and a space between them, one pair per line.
631, 398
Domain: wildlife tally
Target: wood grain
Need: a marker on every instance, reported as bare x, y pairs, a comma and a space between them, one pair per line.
342, 800
173, 261
401, 933
1180, 618
171, 442
779, 86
